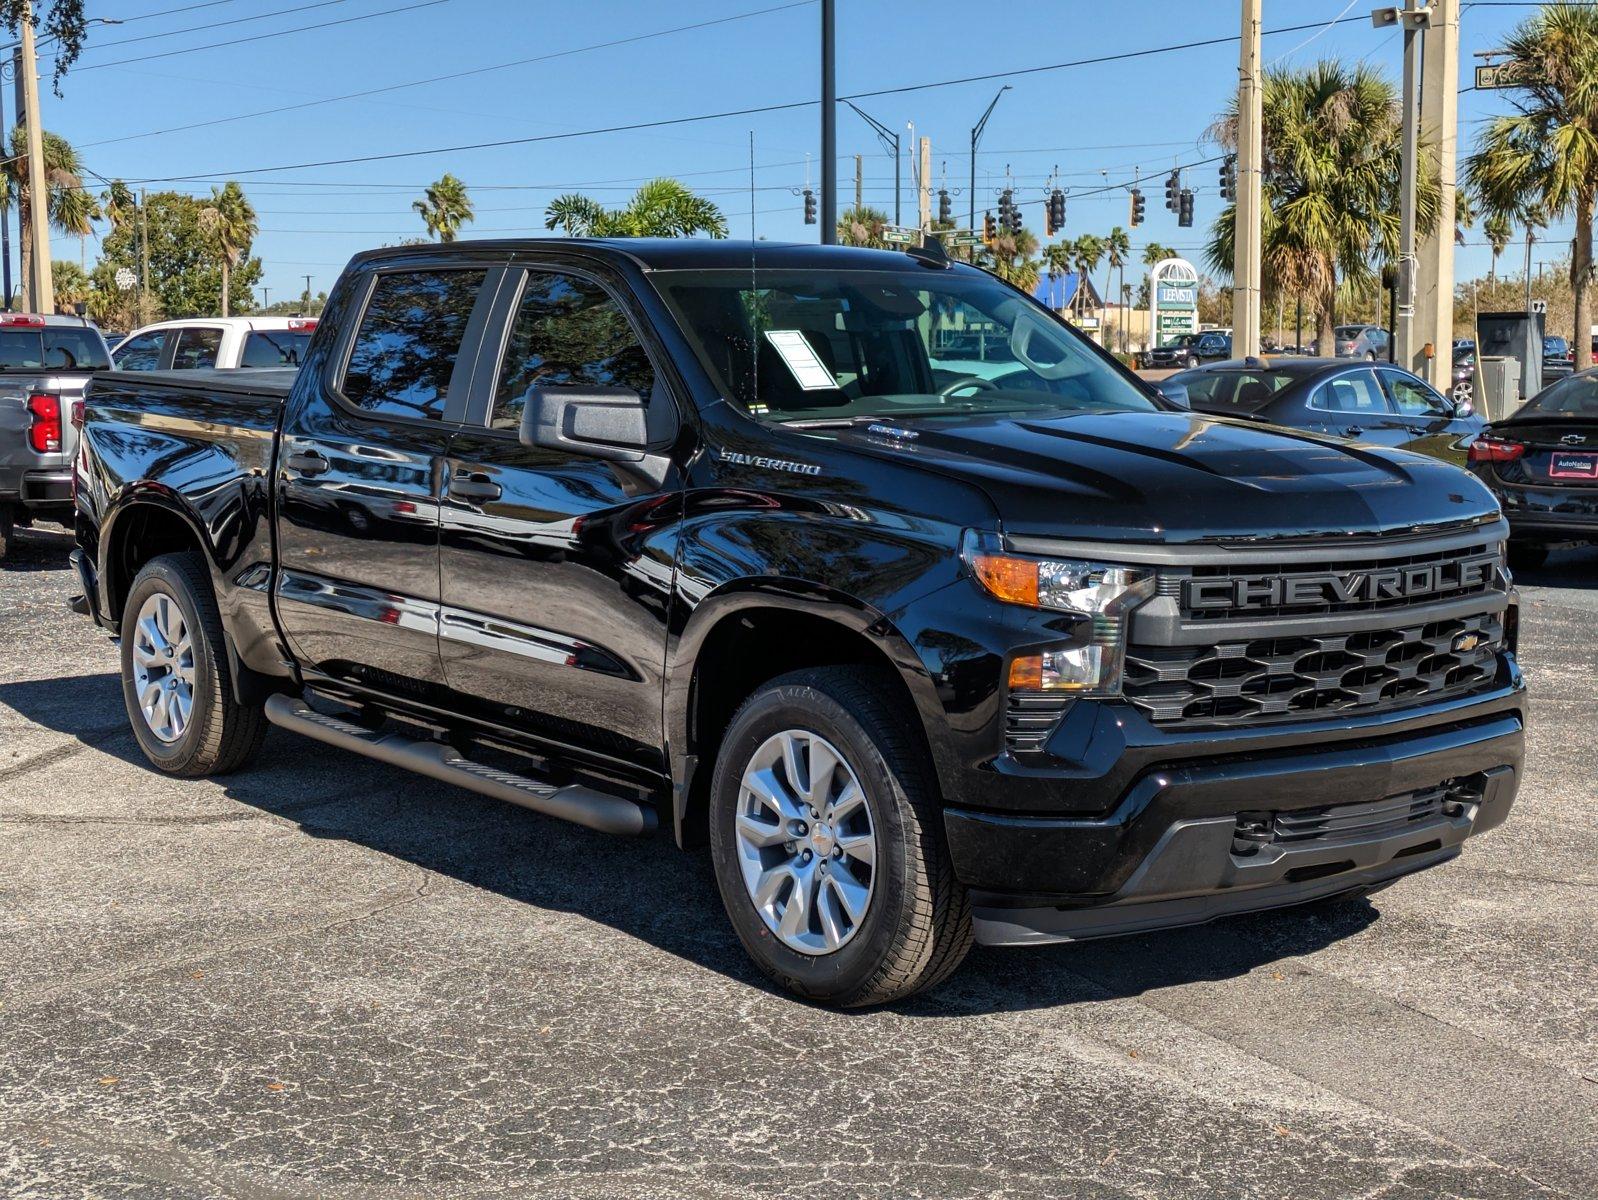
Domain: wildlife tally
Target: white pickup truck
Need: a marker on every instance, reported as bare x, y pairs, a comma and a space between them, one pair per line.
220, 342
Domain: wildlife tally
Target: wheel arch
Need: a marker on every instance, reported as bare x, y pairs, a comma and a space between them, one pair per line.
749, 632
154, 522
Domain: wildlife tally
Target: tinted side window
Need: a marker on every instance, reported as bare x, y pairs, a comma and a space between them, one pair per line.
142, 353
567, 331
1414, 398
274, 348
408, 338
1355, 393
196, 348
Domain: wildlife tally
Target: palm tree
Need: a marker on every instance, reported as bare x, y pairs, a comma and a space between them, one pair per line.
63, 183
1087, 252
1013, 258
1116, 247
1331, 173
661, 208
1499, 233
1155, 253
862, 227
1544, 156
228, 222
118, 203
445, 208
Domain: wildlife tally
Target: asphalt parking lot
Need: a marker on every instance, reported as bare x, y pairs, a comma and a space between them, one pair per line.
325, 978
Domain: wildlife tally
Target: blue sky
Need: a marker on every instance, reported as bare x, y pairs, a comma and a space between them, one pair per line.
1093, 123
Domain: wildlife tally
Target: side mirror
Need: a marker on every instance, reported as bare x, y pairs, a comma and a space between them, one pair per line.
1175, 393
609, 423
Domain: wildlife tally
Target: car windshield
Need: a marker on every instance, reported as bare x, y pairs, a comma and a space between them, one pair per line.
1235, 392
53, 348
1555, 347
841, 345
1576, 396
1350, 332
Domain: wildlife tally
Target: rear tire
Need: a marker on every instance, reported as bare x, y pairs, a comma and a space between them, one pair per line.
176, 682
912, 927
1526, 557
8, 528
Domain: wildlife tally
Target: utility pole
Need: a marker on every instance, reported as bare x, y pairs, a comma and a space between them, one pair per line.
1439, 143
5, 229
829, 124
42, 285
265, 292
1250, 193
859, 182
144, 260
925, 189
1414, 18
976, 136
1529, 238
308, 283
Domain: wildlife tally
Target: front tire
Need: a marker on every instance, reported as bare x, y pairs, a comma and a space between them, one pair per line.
176, 684
1192, 361
827, 838
8, 529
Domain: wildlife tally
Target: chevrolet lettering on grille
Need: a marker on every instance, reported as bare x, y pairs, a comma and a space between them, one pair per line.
1245, 592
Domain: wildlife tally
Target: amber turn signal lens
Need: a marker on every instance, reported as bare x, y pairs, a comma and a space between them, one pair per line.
1026, 674
1013, 580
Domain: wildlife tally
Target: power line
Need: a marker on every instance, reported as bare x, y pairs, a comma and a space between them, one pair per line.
277, 12
395, 87
167, 12
261, 37
753, 110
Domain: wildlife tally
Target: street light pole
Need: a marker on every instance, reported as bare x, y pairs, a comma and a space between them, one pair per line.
890, 143
976, 136
829, 124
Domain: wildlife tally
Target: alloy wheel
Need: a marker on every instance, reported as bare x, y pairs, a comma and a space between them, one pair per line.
163, 667
806, 842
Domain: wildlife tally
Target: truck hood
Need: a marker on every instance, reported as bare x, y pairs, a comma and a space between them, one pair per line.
1177, 477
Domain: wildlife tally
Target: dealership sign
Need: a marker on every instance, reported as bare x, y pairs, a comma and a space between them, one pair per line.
1173, 299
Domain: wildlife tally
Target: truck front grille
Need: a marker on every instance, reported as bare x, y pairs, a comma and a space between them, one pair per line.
1285, 678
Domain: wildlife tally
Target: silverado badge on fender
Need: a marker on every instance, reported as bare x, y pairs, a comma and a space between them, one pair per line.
1244, 592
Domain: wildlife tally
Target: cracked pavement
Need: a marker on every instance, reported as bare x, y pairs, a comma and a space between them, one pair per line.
325, 978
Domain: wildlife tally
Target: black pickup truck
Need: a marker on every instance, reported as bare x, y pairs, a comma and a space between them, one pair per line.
731, 539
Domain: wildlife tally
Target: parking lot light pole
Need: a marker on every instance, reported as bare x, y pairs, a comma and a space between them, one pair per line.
890, 142
976, 136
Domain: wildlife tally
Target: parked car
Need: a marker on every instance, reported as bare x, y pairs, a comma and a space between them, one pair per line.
44, 363
701, 534
1558, 360
1374, 403
1462, 388
1369, 342
1173, 353
1542, 464
216, 342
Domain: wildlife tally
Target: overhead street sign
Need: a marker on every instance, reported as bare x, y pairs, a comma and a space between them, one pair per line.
1500, 75
962, 237
898, 235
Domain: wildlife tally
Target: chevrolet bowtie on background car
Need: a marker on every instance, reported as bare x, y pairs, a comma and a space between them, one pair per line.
1542, 464
735, 539
44, 364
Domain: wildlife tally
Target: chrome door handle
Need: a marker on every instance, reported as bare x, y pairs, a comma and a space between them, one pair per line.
473, 485
306, 462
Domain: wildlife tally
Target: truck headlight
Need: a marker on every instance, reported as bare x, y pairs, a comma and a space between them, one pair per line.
1102, 592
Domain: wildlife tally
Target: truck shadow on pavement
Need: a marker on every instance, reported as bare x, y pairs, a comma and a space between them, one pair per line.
642, 887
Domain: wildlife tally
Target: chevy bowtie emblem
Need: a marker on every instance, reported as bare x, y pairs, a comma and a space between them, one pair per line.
1466, 642
1573, 439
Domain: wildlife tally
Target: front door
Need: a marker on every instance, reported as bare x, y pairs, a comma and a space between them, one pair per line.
556, 569
1352, 404
1430, 423
359, 479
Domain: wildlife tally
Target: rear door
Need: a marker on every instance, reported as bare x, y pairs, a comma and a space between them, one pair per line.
1428, 418
556, 568
143, 352
360, 473
197, 346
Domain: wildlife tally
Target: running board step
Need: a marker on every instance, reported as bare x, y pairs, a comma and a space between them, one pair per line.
575, 803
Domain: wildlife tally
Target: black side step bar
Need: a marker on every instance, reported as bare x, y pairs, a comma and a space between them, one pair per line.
582, 805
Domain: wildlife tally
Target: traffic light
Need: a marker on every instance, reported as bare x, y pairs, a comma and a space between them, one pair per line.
1173, 190
989, 232
1184, 208
1229, 178
1056, 211
810, 207
1006, 202
945, 207
1137, 206
1015, 217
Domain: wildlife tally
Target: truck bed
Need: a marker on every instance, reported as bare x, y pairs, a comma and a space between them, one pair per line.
273, 382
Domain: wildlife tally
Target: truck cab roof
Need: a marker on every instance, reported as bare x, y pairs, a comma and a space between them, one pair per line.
674, 254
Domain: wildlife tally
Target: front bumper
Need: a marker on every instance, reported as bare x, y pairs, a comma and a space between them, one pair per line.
1164, 854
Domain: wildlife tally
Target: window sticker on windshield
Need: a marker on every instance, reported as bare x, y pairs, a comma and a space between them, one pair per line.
796, 351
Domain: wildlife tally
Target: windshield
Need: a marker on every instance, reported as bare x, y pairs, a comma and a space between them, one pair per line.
840, 345
275, 348
1555, 347
1350, 332
1576, 396
54, 348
